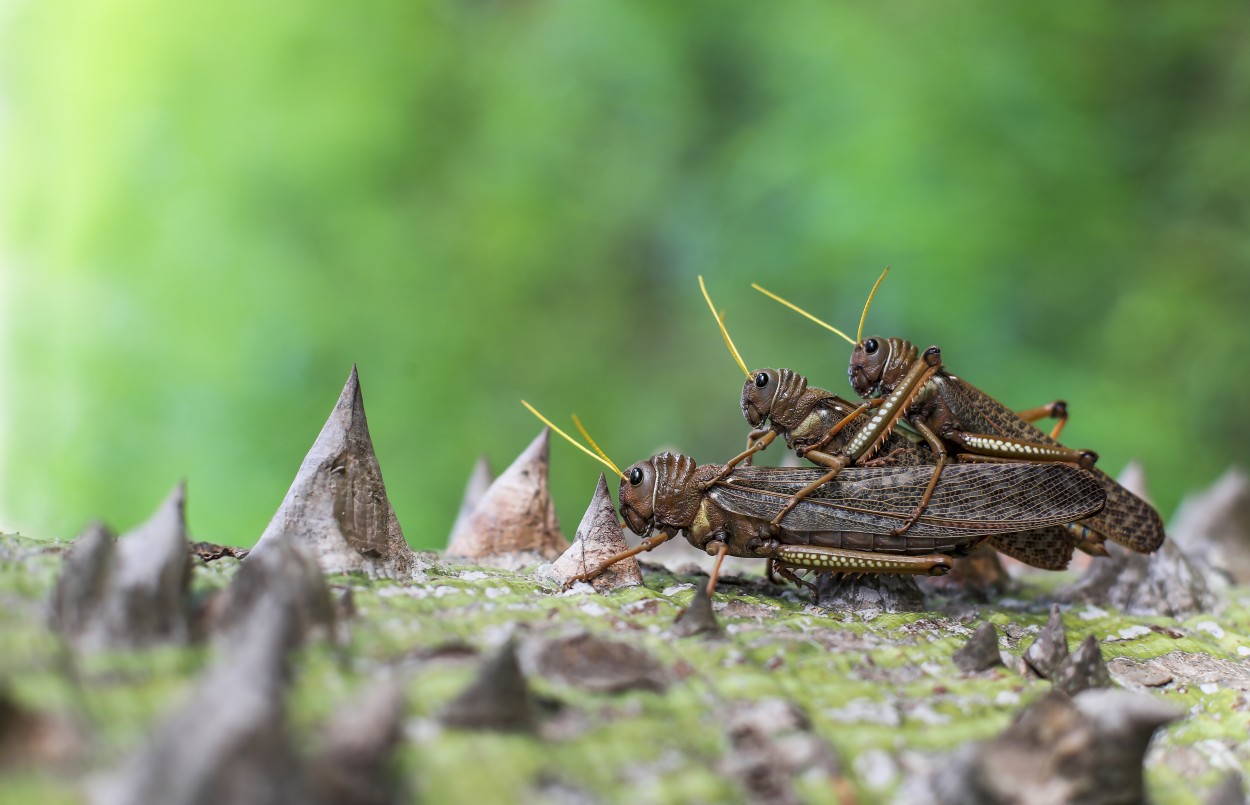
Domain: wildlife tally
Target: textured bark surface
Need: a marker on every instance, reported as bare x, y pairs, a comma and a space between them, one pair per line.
29, 737
979, 576
1083, 669
337, 506
131, 592
585, 660
480, 479
698, 618
284, 576
84, 580
516, 515
1162, 583
773, 745
599, 536
1080, 750
354, 764
1213, 527
498, 698
1050, 648
793, 702
227, 742
981, 652
869, 593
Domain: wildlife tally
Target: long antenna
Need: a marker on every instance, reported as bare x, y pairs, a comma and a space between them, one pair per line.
586, 435
871, 294
604, 460
720, 322
802, 312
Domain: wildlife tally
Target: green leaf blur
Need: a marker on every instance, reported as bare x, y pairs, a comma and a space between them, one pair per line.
211, 211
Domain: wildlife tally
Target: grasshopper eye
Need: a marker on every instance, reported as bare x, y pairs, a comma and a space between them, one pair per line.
761, 380
870, 346
635, 476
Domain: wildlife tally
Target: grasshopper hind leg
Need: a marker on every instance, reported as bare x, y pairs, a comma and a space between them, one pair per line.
788, 558
1057, 410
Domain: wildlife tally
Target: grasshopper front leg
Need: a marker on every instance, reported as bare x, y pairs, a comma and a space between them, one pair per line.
846, 420
836, 463
647, 544
757, 440
939, 450
869, 438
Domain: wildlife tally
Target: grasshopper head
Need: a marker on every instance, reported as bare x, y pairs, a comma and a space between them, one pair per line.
757, 396
877, 364
660, 493
637, 497
773, 394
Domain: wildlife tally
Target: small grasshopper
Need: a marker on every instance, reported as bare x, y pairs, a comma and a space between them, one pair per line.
782, 402
841, 527
810, 418
967, 418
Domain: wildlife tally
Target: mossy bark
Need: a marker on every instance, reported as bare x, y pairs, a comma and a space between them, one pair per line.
881, 693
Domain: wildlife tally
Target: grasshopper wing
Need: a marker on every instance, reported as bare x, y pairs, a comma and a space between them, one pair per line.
1048, 548
1127, 519
976, 498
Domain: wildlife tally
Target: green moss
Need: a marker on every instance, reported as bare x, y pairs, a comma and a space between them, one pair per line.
884, 683
24, 787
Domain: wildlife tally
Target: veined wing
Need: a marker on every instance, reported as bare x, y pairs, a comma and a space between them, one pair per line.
981, 498
978, 412
1048, 548
1127, 519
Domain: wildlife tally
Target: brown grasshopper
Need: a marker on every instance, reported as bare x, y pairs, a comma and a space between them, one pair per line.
968, 419
804, 415
816, 423
841, 527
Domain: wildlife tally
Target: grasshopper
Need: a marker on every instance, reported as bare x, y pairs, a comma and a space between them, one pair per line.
817, 423
841, 527
806, 417
968, 419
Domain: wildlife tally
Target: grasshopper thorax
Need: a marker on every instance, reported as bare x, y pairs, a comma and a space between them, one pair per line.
878, 364
773, 394
662, 492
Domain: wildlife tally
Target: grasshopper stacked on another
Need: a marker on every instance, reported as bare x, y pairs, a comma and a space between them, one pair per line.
885, 502
949, 411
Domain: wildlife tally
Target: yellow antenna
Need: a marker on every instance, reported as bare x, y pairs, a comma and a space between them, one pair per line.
871, 294
574, 442
582, 430
720, 322
802, 312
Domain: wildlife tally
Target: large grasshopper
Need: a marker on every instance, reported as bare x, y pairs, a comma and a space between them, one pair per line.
841, 527
971, 421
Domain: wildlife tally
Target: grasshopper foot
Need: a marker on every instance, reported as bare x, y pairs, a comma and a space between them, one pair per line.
573, 580
911, 521
789, 575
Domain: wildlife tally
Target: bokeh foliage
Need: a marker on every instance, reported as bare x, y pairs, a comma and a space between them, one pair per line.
211, 211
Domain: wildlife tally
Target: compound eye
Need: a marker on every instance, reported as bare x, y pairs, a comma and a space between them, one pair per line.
635, 476
761, 380
870, 346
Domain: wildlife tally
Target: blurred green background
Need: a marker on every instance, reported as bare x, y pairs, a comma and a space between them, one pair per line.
211, 211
